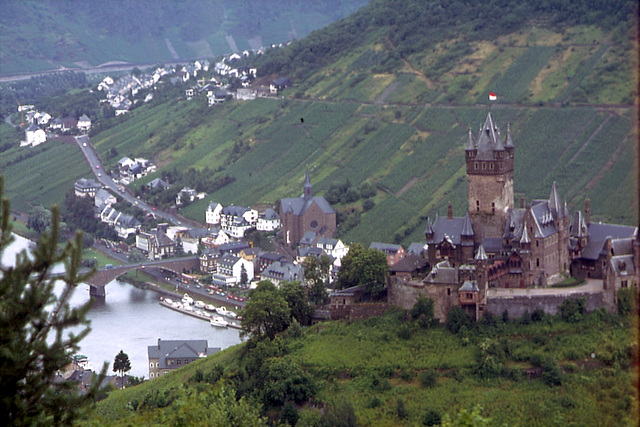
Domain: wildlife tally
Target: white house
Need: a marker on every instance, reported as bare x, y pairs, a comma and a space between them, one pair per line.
231, 267
233, 213
268, 221
35, 135
84, 124
212, 214
332, 247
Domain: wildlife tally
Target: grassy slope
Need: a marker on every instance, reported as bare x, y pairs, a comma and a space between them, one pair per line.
368, 364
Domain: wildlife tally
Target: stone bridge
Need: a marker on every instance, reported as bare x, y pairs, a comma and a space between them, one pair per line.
104, 276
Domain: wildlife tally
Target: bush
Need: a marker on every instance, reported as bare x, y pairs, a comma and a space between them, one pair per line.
457, 318
572, 309
401, 411
432, 418
428, 378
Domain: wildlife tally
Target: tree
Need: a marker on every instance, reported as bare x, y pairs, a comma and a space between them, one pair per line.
266, 313
294, 295
316, 275
35, 318
364, 267
243, 275
422, 312
39, 219
121, 364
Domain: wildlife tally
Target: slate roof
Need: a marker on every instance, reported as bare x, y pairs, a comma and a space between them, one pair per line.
233, 247
184, 349
158, 183
387, 248
452, 229
623, 265
415, 248
410, 263
273, 256
308, 238
270, 214
234, 210
283, 271
488, 140
310, 251
87, 183
299, 205
598, 234
443, 273
470, 286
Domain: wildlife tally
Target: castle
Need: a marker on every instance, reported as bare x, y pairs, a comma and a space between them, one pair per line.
498, 246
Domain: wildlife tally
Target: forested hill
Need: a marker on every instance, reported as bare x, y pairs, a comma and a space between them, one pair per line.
406, 29
38, 35
379, 113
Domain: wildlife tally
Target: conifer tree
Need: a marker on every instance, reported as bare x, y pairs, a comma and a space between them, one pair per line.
121, 364
35, 341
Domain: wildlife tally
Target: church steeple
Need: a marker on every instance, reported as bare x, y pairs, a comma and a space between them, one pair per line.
308, 194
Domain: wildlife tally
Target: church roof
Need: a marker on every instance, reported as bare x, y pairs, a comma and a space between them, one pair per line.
298, 205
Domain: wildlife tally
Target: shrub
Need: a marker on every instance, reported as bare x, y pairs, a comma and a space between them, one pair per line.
428, 378
431, 418
401, 411
289, 415
572, 309
457, 318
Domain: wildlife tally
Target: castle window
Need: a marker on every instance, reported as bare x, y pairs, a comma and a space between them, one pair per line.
475, 165
537, 243
537, 262
623, 284
477, 205
493, 207
490, 165
448, 291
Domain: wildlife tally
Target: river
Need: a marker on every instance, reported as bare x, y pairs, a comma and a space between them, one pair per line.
130, 319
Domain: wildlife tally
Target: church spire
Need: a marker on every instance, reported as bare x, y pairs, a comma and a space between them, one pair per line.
308, 194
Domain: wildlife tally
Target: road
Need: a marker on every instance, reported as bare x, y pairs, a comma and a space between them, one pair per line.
98, 170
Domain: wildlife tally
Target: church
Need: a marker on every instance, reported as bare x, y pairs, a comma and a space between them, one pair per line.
498, 245
306, 213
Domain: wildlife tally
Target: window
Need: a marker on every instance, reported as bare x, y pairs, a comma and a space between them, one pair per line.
151, 365
469, 295
537, 262
314, 224
493, 207
448, 291
624, 284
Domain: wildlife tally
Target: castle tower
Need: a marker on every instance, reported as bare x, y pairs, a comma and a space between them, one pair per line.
490, 164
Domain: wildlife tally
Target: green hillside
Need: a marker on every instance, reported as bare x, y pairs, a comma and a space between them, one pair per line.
40, 35
567, 91
389, 371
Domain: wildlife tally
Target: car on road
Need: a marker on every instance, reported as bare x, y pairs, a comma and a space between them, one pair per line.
84, 145
97, 166
99, 175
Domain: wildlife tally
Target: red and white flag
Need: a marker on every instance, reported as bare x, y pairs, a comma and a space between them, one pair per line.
492, 96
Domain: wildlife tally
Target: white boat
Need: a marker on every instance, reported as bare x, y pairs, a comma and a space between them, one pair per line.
187, 307
186, 299
199, 304
218, 322
176, 305
231, 314
210, 307
222, 310
168, 301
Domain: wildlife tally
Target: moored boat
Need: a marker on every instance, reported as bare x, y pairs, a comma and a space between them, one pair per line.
218, 322
186, 299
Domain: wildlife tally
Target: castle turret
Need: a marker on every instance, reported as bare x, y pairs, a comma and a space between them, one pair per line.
490, 165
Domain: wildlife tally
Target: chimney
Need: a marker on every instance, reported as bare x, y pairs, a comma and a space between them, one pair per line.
159, 339
449, 211
587, 211
522, 202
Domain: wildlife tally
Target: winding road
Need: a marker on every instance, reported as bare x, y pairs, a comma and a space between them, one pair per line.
98, 170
